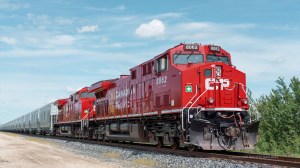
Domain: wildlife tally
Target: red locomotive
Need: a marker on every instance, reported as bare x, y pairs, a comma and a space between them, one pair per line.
72, 113
191, 95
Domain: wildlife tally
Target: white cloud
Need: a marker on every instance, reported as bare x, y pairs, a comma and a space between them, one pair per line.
196, 25
38, 20
31, 39
85, 29
12, 6
8, 40
71, 90
62, 40
116, 44
43, 52
104, 40
64, 21
153, 28
128, 19
169, 15
121, 7
114, 9
46, 22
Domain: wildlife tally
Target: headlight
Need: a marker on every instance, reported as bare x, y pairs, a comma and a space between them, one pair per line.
218, 71
211, 100
245, 101
86, 111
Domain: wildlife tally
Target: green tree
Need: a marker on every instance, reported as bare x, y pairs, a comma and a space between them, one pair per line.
280, 119
254, 113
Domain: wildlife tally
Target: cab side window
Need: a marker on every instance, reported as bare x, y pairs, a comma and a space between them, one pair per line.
161, 64
133, 74
147, 68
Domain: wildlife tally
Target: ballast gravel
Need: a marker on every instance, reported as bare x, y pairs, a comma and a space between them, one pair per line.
129, 158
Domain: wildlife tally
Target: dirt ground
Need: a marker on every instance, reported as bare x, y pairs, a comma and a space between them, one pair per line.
20, 152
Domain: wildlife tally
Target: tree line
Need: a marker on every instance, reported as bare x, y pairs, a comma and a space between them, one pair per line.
279, 111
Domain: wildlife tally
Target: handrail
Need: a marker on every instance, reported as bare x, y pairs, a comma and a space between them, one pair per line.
86, 117
243, 87
228, 88
186, 106
193, 104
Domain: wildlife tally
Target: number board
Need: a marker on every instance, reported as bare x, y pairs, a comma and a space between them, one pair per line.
191, 47
215, 48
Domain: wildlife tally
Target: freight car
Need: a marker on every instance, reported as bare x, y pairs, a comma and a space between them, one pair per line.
191, 95
40, 121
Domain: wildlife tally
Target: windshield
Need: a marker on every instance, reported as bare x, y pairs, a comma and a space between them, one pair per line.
87, 95
215, 58
187, 58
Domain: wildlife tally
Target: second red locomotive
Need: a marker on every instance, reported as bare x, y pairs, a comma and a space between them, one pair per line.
191, 95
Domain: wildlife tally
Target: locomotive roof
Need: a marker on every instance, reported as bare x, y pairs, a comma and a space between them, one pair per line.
101, 85
61, 102
180, 44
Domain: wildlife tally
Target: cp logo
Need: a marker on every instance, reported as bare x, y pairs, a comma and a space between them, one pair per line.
209, 83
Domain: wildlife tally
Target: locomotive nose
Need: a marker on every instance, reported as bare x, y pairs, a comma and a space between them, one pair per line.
227, 90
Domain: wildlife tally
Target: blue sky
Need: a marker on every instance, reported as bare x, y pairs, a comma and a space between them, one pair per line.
48, 49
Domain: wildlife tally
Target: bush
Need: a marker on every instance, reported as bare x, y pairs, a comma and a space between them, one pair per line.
279, 130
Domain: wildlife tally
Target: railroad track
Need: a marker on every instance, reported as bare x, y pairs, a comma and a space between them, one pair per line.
226, 155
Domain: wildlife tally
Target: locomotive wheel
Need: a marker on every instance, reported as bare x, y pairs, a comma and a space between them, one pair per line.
175, 145
159, 143
191, 147
200, 148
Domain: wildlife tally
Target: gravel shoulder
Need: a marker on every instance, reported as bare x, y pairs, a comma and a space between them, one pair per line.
25, 152
129, 158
